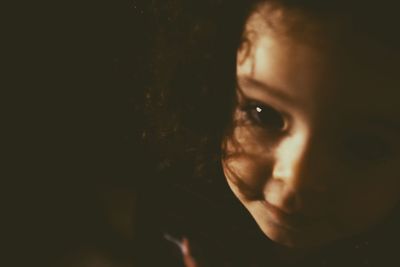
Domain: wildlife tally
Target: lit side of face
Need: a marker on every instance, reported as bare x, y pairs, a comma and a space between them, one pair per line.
315, 146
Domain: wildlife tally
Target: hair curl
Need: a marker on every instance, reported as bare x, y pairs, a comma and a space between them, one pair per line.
190, 102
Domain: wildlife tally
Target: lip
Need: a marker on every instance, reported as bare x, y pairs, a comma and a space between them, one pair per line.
291, 221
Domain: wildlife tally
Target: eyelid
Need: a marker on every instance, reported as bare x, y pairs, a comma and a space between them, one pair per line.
255, 85
247, 101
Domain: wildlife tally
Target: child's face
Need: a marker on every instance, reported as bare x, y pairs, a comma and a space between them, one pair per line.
315, 151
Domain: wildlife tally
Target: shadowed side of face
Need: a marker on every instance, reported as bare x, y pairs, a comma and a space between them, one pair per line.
315, 145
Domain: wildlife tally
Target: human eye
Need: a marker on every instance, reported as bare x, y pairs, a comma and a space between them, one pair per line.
264, 116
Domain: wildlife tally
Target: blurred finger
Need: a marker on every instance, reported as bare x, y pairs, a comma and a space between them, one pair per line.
188, 259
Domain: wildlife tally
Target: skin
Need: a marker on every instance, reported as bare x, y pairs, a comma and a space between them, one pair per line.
322, 164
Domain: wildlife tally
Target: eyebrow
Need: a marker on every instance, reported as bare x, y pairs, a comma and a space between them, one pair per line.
275, 92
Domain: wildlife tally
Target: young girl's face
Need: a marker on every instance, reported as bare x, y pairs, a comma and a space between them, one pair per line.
315, 148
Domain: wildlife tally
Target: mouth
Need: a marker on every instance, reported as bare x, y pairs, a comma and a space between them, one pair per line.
291, 221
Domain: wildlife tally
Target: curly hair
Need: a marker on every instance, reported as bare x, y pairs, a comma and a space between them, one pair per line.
190, 103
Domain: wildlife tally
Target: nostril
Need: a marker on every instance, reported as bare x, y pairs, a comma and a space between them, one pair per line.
281, 196
292, 203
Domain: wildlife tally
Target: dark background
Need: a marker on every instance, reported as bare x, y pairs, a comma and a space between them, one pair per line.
79, 71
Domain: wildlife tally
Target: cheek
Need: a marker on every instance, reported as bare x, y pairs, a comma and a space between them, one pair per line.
248, 176
247, 164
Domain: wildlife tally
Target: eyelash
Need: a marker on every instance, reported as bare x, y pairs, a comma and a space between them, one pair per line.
272, 120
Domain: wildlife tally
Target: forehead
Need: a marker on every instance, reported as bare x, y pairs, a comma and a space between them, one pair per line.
327, 58
373, 23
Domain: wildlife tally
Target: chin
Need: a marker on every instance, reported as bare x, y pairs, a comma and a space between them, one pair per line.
282, 236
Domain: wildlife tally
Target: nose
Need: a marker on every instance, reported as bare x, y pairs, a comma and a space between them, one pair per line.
299, 174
